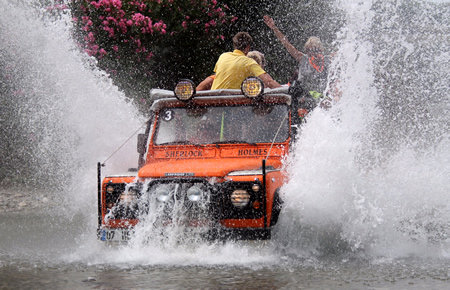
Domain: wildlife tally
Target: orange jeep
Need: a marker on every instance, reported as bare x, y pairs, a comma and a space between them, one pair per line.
211, 159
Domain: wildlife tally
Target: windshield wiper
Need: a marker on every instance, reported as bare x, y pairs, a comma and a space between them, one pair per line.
234, 142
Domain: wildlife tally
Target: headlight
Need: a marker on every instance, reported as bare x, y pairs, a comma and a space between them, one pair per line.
162, 193
109, 189
128, 197
240, 198
184, 90
252, 87
194, 193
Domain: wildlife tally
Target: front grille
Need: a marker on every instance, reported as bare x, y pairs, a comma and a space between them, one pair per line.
166, 200
169, 198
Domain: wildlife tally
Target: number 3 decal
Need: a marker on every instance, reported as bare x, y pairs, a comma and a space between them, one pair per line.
167, 115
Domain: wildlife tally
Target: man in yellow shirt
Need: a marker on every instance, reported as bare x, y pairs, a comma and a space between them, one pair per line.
233, 68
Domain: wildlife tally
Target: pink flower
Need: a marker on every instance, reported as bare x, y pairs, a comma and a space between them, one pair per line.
138, 42
111, 19
102, 52
117, 3
91, 37
184, 24
138, 18
123, 26
109, 30
95, 4
115, 48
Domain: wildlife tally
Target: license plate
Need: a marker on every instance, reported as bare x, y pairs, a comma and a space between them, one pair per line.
115, 235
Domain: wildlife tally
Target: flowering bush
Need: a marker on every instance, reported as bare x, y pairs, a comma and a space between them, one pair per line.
154, 41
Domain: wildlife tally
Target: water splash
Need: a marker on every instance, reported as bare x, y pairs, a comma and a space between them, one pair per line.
69, 112
363, 180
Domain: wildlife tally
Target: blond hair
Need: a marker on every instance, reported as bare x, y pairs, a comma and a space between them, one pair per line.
258, 57
313, 43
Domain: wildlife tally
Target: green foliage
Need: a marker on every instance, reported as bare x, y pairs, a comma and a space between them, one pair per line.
152, 43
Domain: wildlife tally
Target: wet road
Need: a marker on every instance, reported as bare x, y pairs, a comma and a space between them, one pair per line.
39, 250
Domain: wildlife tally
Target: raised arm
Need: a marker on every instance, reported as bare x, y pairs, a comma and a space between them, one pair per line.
268, 81
295, 53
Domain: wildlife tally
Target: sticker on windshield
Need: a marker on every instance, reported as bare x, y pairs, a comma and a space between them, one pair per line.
167, 115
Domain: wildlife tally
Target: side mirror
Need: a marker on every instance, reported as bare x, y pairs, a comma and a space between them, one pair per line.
141, 143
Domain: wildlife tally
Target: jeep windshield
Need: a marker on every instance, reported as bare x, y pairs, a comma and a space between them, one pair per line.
222, 125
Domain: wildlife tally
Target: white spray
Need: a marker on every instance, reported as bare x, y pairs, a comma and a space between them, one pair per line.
355, 188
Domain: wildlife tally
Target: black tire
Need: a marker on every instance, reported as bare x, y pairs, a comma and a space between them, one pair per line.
276, 208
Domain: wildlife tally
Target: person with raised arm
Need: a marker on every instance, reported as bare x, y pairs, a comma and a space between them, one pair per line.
313, 64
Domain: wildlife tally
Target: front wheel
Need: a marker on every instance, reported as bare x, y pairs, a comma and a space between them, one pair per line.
276, 208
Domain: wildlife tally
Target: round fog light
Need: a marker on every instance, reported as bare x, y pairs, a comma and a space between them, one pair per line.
252, 87
240, 198
162, 194
184, 90
255, 187
194, 194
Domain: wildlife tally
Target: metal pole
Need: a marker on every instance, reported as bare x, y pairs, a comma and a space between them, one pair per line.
99, 193
264, 192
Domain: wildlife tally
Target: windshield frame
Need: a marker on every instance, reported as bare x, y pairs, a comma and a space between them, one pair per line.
206, 106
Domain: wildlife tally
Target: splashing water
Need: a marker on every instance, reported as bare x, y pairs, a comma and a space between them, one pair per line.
369, 176
71, 113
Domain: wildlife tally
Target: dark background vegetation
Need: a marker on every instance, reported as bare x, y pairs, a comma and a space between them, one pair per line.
187, 56
192, 54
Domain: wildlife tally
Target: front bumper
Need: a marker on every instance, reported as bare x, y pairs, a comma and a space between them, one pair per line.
124, 235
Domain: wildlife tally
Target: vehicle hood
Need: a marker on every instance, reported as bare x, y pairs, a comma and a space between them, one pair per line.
201, 167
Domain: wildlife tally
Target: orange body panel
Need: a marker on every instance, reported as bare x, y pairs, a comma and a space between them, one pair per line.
243, 223
217, 166
224, 162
